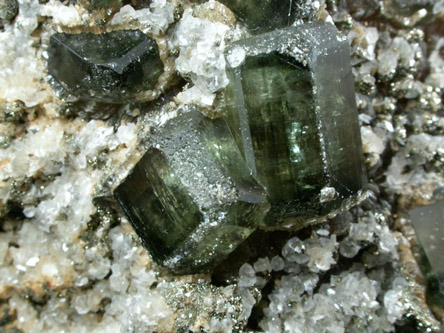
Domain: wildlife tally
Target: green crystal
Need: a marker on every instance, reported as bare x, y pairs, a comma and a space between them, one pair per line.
110, 67
263, 15
291, 107
191, 198
428, 222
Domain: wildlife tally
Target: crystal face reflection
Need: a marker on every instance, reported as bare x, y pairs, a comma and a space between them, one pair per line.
191, 198
288, 152
263, 15
292, 110
110, 67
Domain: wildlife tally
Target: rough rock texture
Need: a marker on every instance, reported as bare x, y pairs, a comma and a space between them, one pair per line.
69, 260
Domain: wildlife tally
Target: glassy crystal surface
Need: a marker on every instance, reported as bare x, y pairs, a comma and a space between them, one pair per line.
191, 198
263, 15
428, 222
109, 67
291, 106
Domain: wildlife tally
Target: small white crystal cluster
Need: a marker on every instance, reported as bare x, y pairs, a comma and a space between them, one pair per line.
368, 231
201, 45
126, 299
407, 171
154, 20
354, 298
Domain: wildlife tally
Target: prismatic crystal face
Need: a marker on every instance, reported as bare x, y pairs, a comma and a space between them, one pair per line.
291, 107
288, 152
109, 67
191, 197
428, 222
263, 15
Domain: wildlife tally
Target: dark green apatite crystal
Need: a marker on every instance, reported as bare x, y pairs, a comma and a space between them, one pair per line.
428, 222
110, 67
191, 198
263, 15
291, 108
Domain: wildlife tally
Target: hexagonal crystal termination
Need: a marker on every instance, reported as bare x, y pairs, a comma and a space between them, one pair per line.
191, 198
291, 107
110, 67
428, 222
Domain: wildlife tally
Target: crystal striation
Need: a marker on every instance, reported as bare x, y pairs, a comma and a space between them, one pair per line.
263, 15
191, 197
110, 67
291, 107
428, 222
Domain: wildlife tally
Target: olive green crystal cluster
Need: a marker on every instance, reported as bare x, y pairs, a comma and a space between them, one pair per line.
287, 152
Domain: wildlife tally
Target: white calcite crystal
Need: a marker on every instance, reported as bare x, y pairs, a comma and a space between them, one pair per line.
20, 70
343, 304
155, 19
201, 45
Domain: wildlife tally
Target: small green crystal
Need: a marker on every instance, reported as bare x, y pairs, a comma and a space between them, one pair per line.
428, 222
291, 107
191, 198
110, 67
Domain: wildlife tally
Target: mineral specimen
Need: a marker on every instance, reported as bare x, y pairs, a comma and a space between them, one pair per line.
291, 107
263, 15
428, 222
110, 67
191, 198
